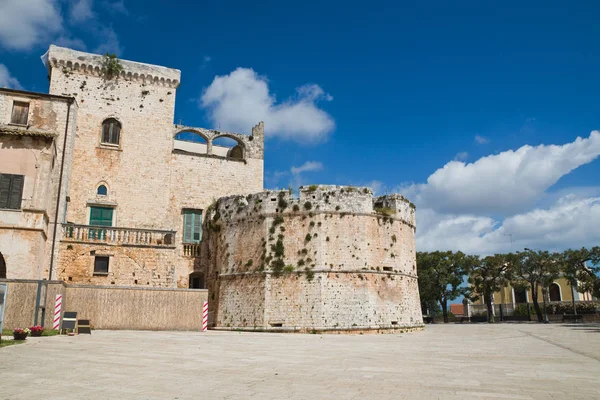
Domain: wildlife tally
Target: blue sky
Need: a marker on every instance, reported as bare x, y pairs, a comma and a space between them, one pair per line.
435, 100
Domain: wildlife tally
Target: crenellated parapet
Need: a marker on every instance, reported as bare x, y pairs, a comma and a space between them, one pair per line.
78, 62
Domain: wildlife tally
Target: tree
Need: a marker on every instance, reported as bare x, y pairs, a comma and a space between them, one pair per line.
488, 275
576, 270
536, 269
440, 277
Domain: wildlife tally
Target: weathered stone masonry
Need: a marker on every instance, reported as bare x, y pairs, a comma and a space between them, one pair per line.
334, 259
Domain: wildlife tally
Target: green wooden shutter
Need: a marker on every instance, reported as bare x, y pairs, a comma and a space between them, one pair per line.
197, 227
4, 190
101, 216
188, 226
16, 192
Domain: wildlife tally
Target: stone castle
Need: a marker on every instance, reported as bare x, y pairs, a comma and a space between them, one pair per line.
99, 186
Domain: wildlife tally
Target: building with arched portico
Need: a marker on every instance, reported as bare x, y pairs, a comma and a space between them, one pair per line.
136, 185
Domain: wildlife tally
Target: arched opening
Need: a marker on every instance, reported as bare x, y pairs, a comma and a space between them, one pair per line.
196, 280
111, 131
554, 291
191, 142
2, 267
102, 190
226, 146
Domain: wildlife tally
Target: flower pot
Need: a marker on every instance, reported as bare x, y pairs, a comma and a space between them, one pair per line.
19, 336
36, 334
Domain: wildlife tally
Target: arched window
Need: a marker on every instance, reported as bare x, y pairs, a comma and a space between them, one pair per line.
102, 191
228, 147
554, 291
520, 296
111, 131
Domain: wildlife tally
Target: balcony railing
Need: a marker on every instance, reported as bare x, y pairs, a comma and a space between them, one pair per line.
191, 249
118, 236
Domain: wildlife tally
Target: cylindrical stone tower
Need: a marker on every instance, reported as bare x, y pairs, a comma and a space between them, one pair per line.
335, 259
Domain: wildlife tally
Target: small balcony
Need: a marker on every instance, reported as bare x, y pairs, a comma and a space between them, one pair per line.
118, 236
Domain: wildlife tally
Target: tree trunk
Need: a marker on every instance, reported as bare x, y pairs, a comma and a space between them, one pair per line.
536, 305
544, 296
573, 297
444, 304
488, 304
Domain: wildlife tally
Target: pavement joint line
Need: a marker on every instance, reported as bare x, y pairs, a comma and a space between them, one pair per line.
562, 346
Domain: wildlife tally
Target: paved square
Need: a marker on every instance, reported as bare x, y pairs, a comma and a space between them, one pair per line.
479, 361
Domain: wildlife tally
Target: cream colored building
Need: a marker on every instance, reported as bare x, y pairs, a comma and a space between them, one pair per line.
135, 184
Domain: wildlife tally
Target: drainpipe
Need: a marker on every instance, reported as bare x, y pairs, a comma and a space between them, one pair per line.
60, 180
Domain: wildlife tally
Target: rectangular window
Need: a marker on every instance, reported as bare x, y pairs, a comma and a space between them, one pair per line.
101, 265
20, 113
192, 226
11, 191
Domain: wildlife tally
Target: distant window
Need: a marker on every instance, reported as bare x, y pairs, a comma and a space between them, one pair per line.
196, 280
111, 131
20, 113
101, 265
102, 191
520, 296
11, 191
192, 226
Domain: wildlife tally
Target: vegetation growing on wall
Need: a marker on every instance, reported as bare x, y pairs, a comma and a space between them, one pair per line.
111, 66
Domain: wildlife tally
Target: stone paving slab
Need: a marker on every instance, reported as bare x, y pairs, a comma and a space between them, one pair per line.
470, 361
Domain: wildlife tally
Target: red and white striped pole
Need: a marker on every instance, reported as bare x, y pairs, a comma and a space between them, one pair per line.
205, 317
57, 307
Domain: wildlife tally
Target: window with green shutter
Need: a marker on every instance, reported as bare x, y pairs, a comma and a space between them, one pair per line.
192, 226
11, 191
100, 216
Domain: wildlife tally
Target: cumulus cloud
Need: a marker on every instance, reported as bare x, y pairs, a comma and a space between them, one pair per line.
27, 23
462, 156
571, 222
503, 183
239, 100
7, 80
109, 40
72, 43
481, 139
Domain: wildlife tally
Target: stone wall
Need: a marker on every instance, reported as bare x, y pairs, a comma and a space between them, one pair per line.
334, 259
149, 179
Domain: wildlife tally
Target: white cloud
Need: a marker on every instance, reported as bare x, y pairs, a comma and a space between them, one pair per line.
571, 222
503, 183
27, 23
239, 100
7, 80
462, 156
308, 166
81, 11
481, 139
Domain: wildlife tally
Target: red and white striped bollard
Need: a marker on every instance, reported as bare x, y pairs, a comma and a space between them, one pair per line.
205, 317
57, 307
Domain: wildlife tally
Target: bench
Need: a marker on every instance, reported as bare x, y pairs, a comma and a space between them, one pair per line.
572, 317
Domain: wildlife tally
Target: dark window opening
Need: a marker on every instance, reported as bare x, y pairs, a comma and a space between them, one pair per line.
102, 191
2, 267
196, 280
11, 191
555, 292
101, 265
520, 296
387, 268
111, 131
20, 113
